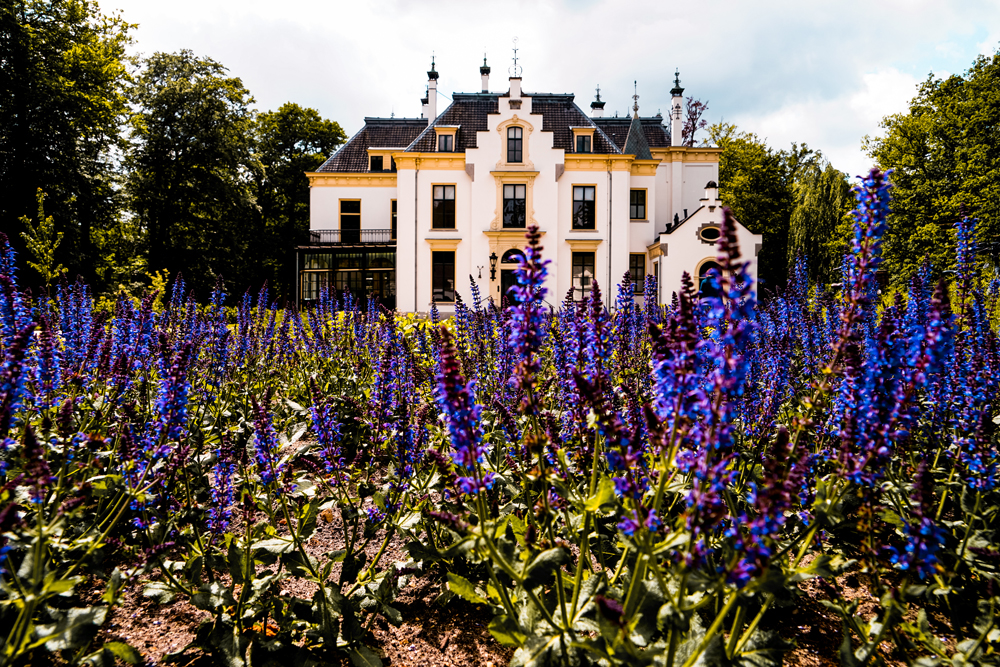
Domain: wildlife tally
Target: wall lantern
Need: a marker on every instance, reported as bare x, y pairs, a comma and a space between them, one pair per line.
493, 265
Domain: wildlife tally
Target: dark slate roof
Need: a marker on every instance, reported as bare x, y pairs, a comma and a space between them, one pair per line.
467, 110
635, 142
470, 111
673, 226
559, 114
376, 133
657, 134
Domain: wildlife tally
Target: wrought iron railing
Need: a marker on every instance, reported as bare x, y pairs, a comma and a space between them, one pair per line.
350, 236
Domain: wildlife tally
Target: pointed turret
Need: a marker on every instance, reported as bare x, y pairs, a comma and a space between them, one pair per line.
597, 106
484, 72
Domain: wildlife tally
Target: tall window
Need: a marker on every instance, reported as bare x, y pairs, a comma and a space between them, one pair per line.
443, 276
446, 143
637, 270
583, 207
583, 143
708, 279
376, 162
392, 224
637, 204
350, 220
513, 206
444, 207
514, 144
583, 275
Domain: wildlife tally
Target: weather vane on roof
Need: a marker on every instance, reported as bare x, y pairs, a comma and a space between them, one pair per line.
515, 70
598, 92
635, 97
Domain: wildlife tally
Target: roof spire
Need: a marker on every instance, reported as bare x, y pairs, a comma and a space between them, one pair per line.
515, 69
677, 91
635, 97
433, 73
597, 106
598, 99
485, 69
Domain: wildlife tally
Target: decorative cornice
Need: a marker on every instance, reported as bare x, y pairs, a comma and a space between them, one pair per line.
359, 179
443, 244
440, 161
584, 244
644, 167
656, 249
686, 154
589, 162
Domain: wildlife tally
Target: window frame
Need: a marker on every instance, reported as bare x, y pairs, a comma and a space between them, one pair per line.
524, 204
593, 207
372, 160
435, 222
638, 283
582, 293
589, 139
436, 255
645, 204
448, 140
393, 214
519, 145
340, 219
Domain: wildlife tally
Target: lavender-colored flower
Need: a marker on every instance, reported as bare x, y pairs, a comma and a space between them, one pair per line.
265, 442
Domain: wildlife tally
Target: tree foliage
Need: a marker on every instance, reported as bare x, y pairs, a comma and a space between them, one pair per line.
754, 181
945, 153
290, 141
693, 120
63, 99
192, 168
42, 241
819, 226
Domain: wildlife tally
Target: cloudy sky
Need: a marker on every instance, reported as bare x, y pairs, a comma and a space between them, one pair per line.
819, 72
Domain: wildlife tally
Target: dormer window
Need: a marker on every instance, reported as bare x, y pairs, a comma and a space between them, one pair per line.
446, 143
583, 139
376, 163
515, 144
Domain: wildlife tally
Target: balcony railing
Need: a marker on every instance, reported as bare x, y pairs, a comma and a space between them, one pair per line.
351, 237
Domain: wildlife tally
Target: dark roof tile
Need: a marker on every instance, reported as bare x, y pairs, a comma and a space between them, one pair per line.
657, 134
467, 110
376, 133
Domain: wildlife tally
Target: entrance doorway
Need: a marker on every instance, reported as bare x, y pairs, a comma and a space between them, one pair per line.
508, 263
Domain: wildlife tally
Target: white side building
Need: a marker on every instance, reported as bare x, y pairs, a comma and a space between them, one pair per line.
409, 210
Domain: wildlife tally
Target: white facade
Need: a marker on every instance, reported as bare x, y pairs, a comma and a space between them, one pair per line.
667, 233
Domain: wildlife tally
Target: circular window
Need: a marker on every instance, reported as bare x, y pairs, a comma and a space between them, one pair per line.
709, 234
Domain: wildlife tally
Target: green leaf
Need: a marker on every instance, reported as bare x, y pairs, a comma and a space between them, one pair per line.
160, 592
464, 588
276, 545
541, 569
124, 651
603, 498
75, 629
362, 656
506, 631
307, 518
212, 596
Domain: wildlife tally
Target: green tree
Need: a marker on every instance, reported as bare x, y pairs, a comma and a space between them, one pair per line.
755, 182
945, 153
290, 142
42, 240
822, 202
193, 169
63, 102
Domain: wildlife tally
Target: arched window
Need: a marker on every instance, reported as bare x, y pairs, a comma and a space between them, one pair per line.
512, 256
708, 287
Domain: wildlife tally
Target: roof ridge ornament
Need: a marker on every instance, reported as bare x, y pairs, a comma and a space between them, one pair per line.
677, 91
635, 98
515, 69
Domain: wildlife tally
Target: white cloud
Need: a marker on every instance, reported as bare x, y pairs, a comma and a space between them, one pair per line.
820, 73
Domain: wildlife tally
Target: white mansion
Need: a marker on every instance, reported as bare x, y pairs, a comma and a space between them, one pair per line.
408, 209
